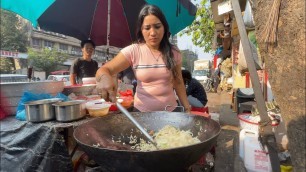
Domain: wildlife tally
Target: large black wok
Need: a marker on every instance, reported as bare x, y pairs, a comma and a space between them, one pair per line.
113, 156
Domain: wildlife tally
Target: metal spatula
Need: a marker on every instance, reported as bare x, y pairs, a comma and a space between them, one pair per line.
126, 113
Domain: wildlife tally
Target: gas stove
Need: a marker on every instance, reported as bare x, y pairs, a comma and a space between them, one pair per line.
193, 168
205, 164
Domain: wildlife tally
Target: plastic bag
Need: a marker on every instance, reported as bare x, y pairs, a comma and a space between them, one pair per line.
242, 61
248, 18
126, 93
28, 96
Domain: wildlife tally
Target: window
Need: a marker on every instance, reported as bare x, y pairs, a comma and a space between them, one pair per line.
76, 51
49, 44
98, 53
36, 43
63, 47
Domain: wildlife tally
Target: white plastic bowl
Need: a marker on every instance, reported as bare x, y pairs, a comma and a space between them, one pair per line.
98, 109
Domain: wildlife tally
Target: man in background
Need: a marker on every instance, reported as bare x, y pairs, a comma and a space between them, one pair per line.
217, 77
84, 66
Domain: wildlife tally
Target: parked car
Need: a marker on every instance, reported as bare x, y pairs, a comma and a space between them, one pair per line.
65, 78
60, 72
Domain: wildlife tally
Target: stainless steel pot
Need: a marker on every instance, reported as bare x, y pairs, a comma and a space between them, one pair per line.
40, 110
70, 110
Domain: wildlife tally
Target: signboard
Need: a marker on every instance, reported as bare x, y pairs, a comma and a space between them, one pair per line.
225, 7
13, 54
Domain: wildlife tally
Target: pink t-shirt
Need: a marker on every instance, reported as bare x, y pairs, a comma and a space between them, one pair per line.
154, 81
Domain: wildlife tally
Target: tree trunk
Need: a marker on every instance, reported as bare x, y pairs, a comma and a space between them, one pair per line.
286, 67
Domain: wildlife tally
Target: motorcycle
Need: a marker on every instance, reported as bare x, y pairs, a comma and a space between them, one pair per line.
208, 84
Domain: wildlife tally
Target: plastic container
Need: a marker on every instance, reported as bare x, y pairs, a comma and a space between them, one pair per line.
126, 102
287, 168
249, 122
244, 95
255, 158
98, 109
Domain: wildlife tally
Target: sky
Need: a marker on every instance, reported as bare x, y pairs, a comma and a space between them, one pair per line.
184, 42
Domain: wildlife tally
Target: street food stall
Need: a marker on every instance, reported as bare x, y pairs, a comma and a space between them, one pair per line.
54, 144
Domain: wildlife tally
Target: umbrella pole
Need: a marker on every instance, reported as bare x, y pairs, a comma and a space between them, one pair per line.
108, 29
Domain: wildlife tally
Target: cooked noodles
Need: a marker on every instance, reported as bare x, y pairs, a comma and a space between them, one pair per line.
168, 137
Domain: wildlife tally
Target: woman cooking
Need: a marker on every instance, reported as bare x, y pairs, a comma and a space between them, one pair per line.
155, 62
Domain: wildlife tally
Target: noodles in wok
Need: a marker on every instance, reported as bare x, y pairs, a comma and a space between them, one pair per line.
168, 137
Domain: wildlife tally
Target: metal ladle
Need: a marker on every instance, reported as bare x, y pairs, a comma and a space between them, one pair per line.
126, 113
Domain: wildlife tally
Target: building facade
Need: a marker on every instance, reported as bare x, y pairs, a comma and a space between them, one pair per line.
39, 39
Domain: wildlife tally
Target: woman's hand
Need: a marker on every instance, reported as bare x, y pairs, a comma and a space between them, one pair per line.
106, 76
187, 110
106, 86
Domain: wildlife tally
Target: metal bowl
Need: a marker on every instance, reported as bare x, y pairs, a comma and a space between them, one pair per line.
70, 110
40, 110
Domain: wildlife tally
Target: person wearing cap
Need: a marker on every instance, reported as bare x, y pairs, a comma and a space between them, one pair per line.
84, 66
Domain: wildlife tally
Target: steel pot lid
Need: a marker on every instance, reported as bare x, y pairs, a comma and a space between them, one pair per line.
69, 103
43, 101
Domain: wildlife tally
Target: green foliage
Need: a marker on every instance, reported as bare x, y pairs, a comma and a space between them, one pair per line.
13, 32
46, 59
202, 28
6, 65
252, 37
187, 60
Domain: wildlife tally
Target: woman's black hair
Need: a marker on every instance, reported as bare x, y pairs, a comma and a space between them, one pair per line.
87, 41
165, 45
186, 76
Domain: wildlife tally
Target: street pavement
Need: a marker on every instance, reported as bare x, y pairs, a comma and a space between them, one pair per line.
227, 149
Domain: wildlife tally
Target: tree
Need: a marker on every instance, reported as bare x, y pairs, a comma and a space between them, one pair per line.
13, 32
286, 66
13, 38
6, 65
188, 58
46, 59
202, 28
